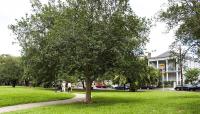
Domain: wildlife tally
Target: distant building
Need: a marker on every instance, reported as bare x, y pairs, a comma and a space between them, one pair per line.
170, 66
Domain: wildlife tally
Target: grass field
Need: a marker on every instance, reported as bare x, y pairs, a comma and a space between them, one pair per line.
21, 95
151, 102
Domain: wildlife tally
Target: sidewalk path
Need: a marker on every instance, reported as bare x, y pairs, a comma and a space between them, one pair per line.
77, 98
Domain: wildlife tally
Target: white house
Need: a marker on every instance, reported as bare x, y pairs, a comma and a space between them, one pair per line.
170, 66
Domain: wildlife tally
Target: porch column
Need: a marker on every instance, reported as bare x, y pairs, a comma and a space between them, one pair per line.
157, 65
177, 72
166, 69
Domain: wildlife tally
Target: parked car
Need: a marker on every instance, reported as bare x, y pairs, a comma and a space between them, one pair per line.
197, 86
121, 87
148, 87
186, 87
100, 86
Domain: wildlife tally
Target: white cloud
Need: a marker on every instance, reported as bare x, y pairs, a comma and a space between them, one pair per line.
159, 39
9, 11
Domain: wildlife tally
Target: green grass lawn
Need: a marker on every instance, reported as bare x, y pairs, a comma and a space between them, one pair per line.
21, 95
110, 102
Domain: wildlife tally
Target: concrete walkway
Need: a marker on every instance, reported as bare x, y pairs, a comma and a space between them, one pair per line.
77, 98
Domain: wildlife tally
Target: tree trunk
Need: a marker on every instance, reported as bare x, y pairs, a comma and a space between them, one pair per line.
133, 87
124, 87
27, 83
14, 83
88, 90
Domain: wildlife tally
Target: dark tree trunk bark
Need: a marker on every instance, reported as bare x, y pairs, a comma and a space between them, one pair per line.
26, 83
124, 87
133, 87
88, 90
14, 83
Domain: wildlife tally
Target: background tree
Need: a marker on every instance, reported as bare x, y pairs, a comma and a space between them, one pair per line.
184, 15
180, 54
85, 36
192, 75
120, 79
136, 71
142, 74
10, 69
152, 76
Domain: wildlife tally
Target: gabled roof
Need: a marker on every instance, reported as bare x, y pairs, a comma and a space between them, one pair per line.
163, 55
168, 54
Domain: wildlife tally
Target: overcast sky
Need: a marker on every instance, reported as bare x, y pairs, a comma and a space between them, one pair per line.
14, 9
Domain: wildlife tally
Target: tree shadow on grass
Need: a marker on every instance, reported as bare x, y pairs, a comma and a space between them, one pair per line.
185, 103
189, 108
96, 90
184, 97
104, 101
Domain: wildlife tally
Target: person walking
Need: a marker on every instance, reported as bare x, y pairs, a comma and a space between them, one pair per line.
69, 86
63, 86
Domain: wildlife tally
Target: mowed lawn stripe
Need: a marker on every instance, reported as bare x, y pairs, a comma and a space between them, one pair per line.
150, 102
21, 95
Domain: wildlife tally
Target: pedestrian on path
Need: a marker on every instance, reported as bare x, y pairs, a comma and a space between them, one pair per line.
63, 86
69, 86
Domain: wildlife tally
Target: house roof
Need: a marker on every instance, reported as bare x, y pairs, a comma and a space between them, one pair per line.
169, 54
163, 55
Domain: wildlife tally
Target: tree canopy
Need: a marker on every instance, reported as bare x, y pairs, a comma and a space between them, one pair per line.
192, 75
11, 70
185, 16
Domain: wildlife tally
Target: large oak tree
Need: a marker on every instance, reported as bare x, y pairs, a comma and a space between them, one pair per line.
87, 37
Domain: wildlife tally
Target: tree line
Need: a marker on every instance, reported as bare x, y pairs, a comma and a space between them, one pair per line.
11, 70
